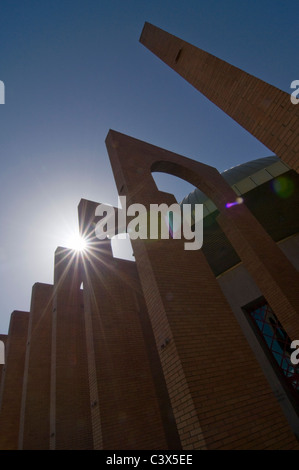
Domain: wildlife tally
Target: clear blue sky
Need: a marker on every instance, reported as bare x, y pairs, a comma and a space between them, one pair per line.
73, 69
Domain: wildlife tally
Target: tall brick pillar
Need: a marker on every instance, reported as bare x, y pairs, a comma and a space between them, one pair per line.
70, 419
219, 395
12, 381
35, 410
262, 109
125, 404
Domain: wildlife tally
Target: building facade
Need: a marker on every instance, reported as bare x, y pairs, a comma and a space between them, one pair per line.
179, 349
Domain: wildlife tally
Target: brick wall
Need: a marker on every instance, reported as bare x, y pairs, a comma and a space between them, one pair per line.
12, 380
132, 162
125, 404
35, 412
219, 395
70, 406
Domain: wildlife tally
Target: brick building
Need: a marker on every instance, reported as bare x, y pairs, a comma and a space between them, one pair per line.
179, 349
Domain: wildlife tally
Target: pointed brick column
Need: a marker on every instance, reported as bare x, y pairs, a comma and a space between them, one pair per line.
128, 411
70, 418
35, 411
262, 109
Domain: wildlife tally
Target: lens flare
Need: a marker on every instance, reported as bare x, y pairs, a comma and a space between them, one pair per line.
283, 186
239, 200
77, 243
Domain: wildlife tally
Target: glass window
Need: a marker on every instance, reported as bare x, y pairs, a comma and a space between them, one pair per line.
276, 340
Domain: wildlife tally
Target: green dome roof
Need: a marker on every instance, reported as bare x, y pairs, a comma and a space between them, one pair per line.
242, 178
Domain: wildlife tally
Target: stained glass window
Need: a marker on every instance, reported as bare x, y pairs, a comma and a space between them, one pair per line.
276, 340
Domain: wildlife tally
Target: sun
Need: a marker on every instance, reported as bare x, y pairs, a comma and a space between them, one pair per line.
77, 243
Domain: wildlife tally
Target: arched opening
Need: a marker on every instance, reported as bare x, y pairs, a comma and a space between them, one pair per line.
172, 184
196, 291
259, 253
216, 247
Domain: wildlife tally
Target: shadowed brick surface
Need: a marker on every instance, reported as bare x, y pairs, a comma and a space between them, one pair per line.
219, 394
35, 416
70, 405
12, 380
124, 400
276, 277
